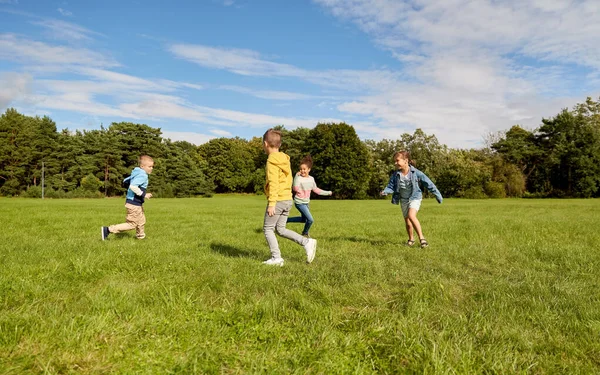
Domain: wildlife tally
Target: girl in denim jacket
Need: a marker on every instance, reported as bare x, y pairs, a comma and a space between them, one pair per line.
405, 189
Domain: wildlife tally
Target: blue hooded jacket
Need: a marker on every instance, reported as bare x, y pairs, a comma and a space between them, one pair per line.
416, 177
138, 177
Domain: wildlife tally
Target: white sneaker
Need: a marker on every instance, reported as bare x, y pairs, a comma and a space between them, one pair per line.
311, 249
274, 262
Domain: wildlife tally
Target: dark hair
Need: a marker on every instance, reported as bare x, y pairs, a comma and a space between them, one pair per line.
273, 138
404, 155
307, 160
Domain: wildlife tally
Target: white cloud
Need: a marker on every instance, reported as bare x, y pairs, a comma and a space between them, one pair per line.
98, 91
268, 94
14, 48
248, 62
192, 137
138, 100
466, 60
65, 12
15, 87
240, 61
64, 30
221, 133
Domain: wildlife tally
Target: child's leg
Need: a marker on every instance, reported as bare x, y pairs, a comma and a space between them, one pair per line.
130, 221
297, 219
269, 230
405, 204
409, 229
140, 224
412, 219
306, 215
413, 208
284, 210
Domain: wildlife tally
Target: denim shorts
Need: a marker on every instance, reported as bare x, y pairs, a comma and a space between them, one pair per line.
406, 204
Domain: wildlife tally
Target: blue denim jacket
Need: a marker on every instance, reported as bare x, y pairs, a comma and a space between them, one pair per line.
417, 177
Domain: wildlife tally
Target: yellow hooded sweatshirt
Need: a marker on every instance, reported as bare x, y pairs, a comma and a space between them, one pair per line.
279, 178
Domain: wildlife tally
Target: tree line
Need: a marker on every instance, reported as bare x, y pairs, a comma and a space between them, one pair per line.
561, 158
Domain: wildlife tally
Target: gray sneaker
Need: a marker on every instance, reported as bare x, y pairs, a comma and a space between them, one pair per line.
311, 249
274, 262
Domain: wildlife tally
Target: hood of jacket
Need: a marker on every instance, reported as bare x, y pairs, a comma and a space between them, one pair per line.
281, 161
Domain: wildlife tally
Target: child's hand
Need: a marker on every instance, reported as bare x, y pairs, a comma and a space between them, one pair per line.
148, 196
382, 193
271, 210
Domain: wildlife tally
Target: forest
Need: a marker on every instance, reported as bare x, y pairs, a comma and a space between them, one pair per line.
560, 158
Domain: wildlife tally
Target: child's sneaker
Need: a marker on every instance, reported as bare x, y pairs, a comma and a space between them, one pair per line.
140, 236
274, 262
105, 232
311, 249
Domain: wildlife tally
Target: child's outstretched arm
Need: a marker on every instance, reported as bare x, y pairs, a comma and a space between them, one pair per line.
389, 189
429, 185
318, 191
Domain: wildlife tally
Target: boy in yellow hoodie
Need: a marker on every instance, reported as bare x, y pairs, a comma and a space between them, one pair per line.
278, 189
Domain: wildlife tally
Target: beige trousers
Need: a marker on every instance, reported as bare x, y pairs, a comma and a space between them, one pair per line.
135, 220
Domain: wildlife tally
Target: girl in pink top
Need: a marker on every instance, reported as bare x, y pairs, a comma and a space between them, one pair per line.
304, 184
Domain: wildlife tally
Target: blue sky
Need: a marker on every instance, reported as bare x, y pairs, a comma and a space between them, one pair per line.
459, 69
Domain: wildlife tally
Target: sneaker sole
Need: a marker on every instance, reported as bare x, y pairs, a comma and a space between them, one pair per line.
274, 264
102, 233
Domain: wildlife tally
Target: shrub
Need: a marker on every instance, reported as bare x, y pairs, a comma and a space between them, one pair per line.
54, 194
475, 192
32, 192
91, 183
495, 189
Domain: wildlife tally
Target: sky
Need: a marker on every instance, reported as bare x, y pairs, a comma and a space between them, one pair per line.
458, 69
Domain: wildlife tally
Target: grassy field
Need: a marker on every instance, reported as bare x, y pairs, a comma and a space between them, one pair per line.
507, 286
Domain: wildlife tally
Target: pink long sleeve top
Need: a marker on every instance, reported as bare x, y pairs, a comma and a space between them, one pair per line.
302, 188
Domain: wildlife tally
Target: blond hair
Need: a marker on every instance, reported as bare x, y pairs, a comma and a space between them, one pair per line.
145, 159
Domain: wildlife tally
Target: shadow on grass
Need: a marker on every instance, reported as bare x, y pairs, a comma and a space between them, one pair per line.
371, 241
234, 252
121, 236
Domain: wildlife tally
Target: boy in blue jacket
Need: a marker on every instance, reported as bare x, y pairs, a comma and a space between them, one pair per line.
136, 194
405, 189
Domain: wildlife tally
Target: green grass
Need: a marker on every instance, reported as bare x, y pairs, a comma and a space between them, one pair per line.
507, 286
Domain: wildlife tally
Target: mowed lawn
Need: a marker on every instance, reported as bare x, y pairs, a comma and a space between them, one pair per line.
506, 286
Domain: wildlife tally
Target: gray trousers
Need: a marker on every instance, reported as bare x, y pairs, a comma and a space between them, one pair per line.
277, 223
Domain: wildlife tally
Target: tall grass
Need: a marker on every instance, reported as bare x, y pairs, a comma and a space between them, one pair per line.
506, 286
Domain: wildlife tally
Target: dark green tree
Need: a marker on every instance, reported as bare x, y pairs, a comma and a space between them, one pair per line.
16, 153
341, 160
571, 143
178, 173
231, 164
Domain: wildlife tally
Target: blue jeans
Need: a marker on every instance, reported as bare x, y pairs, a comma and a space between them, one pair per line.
306, 217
